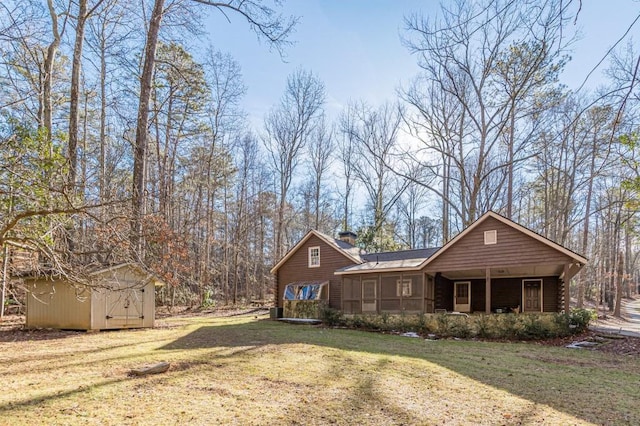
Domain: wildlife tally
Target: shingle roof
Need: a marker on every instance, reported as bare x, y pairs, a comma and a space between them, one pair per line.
391, 260
399, 255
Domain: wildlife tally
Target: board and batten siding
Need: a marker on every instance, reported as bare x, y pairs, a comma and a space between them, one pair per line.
296, 268
513, 248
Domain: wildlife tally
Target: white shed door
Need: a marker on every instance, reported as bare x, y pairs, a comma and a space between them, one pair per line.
125, 308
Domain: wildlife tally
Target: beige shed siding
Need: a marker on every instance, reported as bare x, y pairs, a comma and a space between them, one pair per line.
125, 294
513, 248
296, 268
57, 305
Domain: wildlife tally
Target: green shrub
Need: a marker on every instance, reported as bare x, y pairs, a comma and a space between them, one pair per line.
208, 299
533, 328
303, 308
356, 322
486, 326
460, 326
332, 317
384, 317
508, 326
421, 325
442, 324
579, 319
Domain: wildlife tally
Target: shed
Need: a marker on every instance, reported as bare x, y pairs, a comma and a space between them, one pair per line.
120, 296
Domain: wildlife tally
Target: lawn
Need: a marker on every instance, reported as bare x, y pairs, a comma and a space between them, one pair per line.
250, 370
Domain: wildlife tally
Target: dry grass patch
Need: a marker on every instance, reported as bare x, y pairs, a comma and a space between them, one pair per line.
244, 370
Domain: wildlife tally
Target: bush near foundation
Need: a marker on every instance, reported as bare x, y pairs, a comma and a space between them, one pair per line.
485, 326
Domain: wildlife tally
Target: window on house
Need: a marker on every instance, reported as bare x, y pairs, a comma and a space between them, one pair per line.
403, 288
314, 257
312, 290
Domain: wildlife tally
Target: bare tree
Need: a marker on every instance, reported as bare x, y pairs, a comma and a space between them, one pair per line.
321, 148
261, 18
83, 15
288, 128
482, 64
346, 146
375, 133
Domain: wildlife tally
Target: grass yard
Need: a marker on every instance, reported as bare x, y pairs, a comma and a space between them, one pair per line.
246, 370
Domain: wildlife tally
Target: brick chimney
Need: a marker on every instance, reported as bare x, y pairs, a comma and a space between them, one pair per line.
348, 237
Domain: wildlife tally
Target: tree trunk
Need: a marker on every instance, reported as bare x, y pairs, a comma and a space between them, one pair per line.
5, 273
49, 62
619, 285
140, 147
75, 95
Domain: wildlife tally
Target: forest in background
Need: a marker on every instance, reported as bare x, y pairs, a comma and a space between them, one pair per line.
120, 143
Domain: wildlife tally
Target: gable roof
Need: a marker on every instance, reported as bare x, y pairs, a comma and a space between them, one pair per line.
405, 262
491, 214
347, 250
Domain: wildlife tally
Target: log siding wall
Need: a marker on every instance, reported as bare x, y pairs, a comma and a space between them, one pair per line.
513, 248
296, 268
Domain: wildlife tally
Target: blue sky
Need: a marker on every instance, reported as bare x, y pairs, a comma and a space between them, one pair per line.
354, 47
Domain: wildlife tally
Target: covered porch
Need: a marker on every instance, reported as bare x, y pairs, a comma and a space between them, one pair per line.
504, 289
528, 289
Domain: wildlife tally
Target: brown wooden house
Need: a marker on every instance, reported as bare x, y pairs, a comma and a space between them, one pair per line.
495, 265
311, 263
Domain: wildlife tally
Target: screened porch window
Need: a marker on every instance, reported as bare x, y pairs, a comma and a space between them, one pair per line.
403, 288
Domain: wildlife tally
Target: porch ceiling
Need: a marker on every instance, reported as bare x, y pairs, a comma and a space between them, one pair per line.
507, 272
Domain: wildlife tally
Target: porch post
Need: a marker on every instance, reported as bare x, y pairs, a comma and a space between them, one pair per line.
487, 290
566, 280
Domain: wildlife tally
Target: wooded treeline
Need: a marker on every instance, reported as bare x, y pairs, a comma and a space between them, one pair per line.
120, 141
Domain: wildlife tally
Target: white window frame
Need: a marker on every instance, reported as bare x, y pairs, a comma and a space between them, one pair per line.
490, 237
314, 260
403, 287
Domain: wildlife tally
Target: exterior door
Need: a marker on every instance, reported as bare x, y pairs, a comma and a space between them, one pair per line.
369, 292
430, 295
462, 296
532, 295
125, 307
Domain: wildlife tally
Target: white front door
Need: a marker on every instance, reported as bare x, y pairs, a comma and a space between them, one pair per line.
462, 296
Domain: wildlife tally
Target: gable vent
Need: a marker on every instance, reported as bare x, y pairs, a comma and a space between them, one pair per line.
490, 237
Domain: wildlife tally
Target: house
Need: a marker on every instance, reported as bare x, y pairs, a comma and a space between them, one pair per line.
120, 296
494, 265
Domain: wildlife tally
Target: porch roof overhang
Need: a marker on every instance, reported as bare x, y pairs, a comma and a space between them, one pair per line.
382, 266
413, 265
497, 272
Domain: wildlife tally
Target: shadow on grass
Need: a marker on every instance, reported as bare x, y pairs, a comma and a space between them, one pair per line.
27, 335
568, 381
